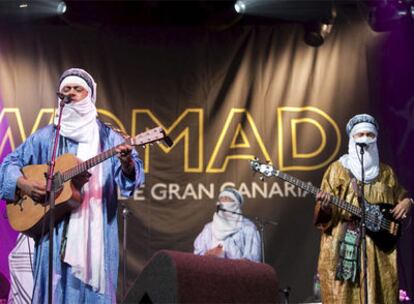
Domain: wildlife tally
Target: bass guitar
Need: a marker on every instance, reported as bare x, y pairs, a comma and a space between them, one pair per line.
379, 221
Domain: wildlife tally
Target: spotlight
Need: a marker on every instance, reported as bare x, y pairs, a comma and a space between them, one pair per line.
30, 10
291, 10
61, 8
316, 33
240, 7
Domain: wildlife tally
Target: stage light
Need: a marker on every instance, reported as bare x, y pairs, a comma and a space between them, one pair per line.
28, 10
240, 7
316, 33
61, 8
290, 10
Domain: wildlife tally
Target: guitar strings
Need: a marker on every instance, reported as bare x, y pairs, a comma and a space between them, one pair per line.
385, 224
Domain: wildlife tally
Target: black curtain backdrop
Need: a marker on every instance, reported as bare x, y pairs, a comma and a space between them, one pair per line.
224, 96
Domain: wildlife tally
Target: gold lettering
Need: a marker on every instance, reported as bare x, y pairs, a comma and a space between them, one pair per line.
193, 117
212, 166
289, 120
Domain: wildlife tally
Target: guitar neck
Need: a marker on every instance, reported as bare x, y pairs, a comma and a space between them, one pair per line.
90, 163
147, 137
355, 210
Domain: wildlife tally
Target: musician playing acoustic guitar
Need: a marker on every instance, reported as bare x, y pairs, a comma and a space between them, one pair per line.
339, 265
86, 240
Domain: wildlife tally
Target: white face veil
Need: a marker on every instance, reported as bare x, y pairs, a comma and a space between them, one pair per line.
79, 118
226, 223
352, 160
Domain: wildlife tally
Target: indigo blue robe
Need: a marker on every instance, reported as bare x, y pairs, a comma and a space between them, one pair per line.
37, 149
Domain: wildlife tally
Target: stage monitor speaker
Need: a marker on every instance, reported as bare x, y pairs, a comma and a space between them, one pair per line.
179, 277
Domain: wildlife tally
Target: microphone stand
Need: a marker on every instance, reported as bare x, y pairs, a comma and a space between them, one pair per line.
125, 213
50, 193
286, 292
260, 222
363, 227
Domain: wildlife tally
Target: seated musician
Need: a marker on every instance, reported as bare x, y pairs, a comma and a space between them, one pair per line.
229, 235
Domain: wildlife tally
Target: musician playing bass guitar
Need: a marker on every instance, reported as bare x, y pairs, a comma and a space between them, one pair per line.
339, 262
86, 240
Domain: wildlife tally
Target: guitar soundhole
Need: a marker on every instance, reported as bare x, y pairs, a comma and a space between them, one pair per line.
21, 201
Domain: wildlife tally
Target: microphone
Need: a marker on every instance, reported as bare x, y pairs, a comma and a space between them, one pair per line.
218, 208
65, 98
362, 145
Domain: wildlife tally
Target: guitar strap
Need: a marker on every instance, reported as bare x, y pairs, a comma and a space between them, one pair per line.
348, 256
356, 188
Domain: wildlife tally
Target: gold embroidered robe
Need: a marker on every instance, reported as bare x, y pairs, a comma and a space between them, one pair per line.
382, 266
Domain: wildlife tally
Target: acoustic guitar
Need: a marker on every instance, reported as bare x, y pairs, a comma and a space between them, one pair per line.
28, 216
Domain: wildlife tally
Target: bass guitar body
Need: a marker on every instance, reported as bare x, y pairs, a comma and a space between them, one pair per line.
385, 239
